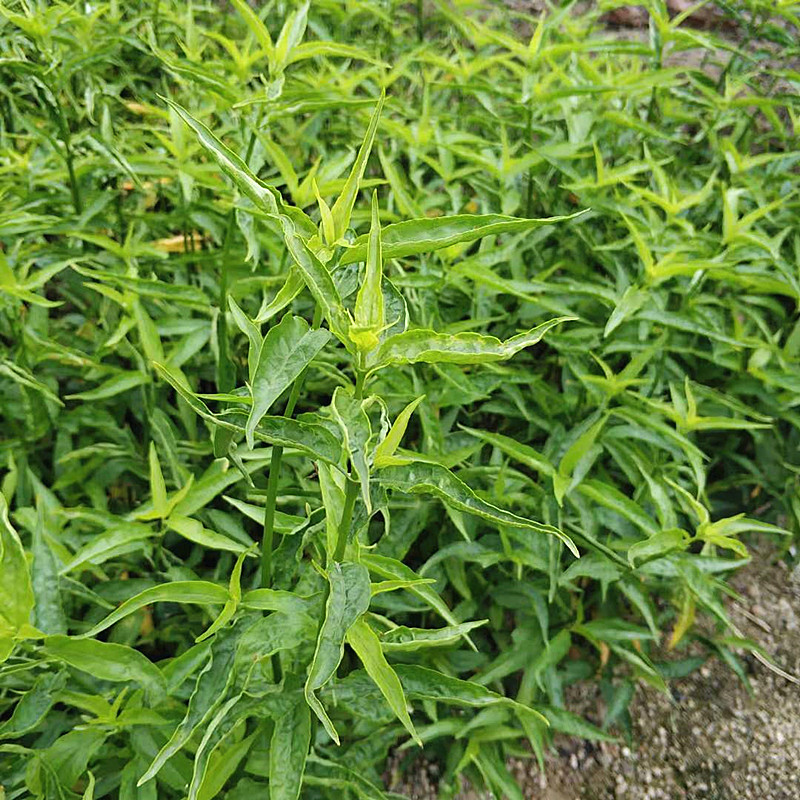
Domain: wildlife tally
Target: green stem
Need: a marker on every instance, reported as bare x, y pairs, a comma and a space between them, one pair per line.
268, 538
351, 493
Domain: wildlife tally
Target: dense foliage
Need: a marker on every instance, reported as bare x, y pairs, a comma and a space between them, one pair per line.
370, 372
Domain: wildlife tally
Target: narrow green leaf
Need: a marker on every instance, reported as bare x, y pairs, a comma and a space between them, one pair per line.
108, 662
343, 207
434, 479
430, 347
288, 751
425, 235
287, 349
368, 648
196, 592
348, 599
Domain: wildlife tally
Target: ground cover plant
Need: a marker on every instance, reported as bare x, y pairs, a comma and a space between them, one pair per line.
371, 372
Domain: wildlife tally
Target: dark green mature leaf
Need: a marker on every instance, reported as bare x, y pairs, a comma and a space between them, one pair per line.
288, 751
287, 350
348, 599
310, 438
108, 662
208, 694
33, 706
16, 591
422, 478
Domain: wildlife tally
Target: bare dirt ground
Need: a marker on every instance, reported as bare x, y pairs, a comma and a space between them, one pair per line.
710, 740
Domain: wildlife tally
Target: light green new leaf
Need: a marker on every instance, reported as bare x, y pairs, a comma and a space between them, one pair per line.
430, 347
384, 453
287, 349
368, 648
112, 387
158, 489
343, 207
348, 599
437, 480
257, 27
659, 544
562, 480
370, 317
194, 531
520, 452
16, 590
318, 280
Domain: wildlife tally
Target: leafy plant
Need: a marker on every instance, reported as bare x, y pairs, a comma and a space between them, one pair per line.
370, 376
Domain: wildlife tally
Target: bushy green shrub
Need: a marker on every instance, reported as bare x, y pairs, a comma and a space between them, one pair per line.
371, 372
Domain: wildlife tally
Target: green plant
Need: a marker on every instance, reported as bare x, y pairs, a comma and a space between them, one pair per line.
369, 535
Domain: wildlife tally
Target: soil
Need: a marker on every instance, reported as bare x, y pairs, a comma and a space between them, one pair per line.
711, 739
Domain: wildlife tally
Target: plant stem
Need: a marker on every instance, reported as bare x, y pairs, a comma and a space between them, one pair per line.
268, 538
351, 493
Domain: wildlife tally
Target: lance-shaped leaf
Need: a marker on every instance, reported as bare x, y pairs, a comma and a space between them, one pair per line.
520, 452
197, 592
437, 480
428, 684
108, 662
33, 706
285, 295
288, 751
16, 590
288, 348
425, 235
348, 599
308, 437
354, 423
368, 648
384, 453
343, 207
398, 572
404, 639
265, 197
318, 280
370, 317
48, 612
431, 347
211, 686
257, 27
